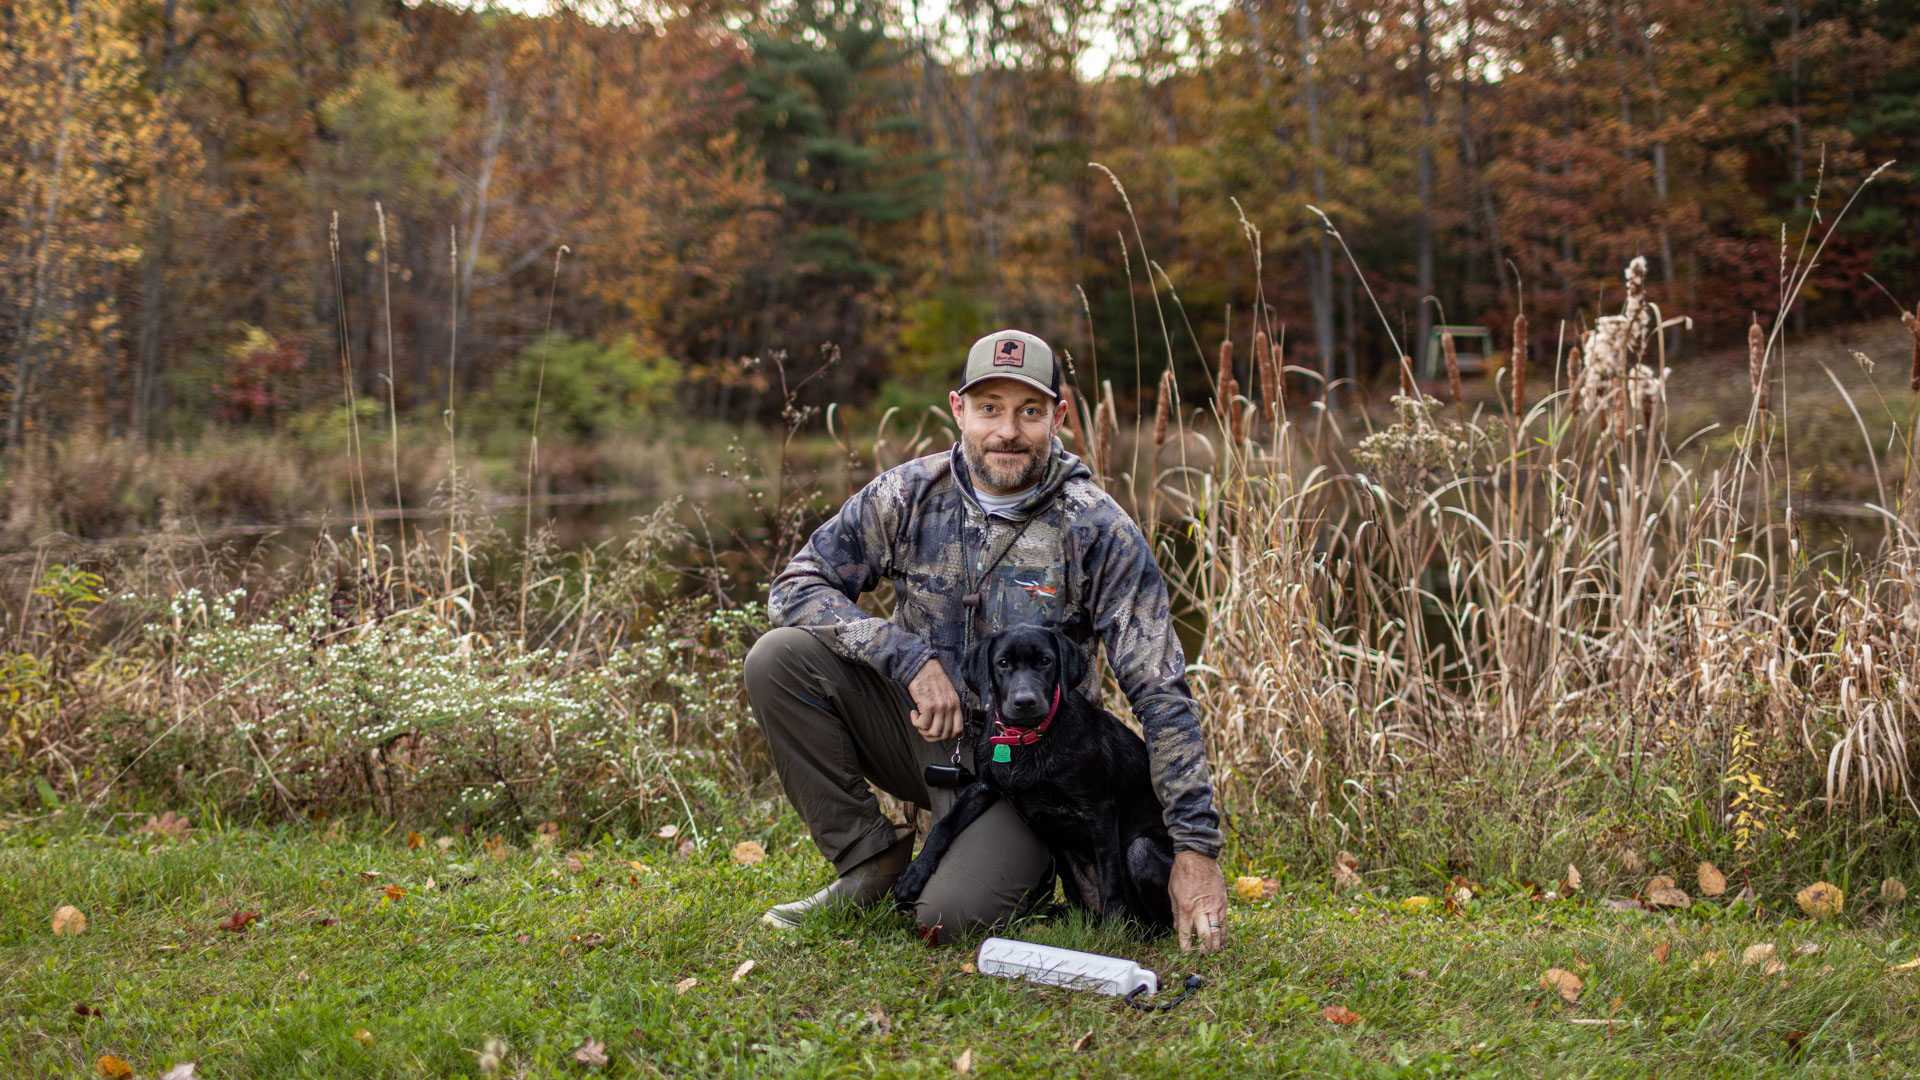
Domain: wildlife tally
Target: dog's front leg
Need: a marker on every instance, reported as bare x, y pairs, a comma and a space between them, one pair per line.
1112, 861
967, 808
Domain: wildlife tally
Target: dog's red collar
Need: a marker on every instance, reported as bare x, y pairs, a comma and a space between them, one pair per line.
1013, 736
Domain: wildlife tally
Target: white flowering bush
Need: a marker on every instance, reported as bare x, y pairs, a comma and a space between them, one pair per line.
316, 704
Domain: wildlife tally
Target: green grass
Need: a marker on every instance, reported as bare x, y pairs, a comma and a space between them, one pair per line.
499, 948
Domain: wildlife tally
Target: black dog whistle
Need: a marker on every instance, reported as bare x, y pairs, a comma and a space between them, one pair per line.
948, 776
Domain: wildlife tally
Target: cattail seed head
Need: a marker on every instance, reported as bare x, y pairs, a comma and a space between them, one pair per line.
1573, 379
1233, 408
1913, 327
1757, 364
1406, 376
1225, 375
1271, 394
1453, 366
1519, 364
1163, 409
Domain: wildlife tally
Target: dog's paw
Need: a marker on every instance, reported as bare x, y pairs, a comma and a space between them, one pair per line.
908, 887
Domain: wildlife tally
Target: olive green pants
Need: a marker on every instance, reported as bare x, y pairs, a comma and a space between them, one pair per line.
832, 725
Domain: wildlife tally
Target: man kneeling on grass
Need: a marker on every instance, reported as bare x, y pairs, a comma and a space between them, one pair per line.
1004, 529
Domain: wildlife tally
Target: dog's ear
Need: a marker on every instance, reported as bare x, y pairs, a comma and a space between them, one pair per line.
1073, 662
979, 675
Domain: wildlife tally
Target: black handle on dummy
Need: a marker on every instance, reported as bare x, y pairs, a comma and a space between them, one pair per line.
1194, 982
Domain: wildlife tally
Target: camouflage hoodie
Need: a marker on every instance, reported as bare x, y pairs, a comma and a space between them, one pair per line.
1076, 562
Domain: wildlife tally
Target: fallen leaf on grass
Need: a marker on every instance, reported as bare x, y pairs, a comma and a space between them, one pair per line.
1622, 903
446, 843
364, 1038
575, 864
1346, 871
1820, 900
590, 941
170, 825
523, 939
667, 832
964, 1063
747, 853
1084, 1042
1774, 967
369, 875
968, 968
415, 841
182, 1071
1414, 974
878, 1017
1793, 1040
1809, 948
239, 921
1712, 881
1757, 954
1892, 892
497, 849
394, 892
1416, 903
1911, 965
685, 985
741, 971
1566, 982
546, 834
1706, 961
1668, 897
1255, 888
1662, 951
112, 1067
1341, 1015
69, 921
1631, 862
1571, 883
686, 849
592, 1054
83, 1009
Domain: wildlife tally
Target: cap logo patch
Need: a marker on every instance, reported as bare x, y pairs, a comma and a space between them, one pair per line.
1009, 352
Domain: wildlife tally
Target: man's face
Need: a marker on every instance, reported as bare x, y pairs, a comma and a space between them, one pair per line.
1006, 430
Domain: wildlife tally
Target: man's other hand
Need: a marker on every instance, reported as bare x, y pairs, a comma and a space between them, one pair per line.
1199, 893
936, 708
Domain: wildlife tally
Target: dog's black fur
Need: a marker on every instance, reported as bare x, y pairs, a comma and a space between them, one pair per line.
1084, 788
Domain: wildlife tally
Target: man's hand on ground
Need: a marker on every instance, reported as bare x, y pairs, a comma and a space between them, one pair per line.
1199, 893
936, 708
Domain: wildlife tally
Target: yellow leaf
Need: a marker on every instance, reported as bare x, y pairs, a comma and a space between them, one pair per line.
415, 841
1712, 881
112, 1068
69, 921
1566, 982
685, 985
1255, 888
363, 1037
747, 853
964, 1063
1820, 900
1417, 903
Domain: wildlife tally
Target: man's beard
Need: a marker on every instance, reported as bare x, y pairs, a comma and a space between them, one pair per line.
1008, 478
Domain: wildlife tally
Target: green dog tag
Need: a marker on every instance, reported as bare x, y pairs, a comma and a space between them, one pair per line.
1002, 753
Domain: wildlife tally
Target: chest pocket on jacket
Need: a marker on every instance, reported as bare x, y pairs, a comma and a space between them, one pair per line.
1027, 594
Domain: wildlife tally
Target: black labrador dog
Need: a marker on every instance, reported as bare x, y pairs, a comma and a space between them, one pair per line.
1072, 771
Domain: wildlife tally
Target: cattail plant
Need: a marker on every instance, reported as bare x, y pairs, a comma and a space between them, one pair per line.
1913, 327
1407, 389
1453, 367
1163, 409
1573, 379
1519, 364
1273, 394
1757, 365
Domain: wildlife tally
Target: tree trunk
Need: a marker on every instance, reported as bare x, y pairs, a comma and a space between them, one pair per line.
36, 296
1423, 238
1320, 258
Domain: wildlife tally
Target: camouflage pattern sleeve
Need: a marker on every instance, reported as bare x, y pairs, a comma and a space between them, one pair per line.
845, 557
1134, 618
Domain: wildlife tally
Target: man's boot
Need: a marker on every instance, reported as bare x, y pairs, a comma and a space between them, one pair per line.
861, 887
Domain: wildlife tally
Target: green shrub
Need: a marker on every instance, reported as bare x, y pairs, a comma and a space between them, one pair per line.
589, 390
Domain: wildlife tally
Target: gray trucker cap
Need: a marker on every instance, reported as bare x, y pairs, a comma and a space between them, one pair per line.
1013, 354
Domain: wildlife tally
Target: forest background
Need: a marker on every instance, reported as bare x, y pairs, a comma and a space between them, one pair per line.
200, 200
